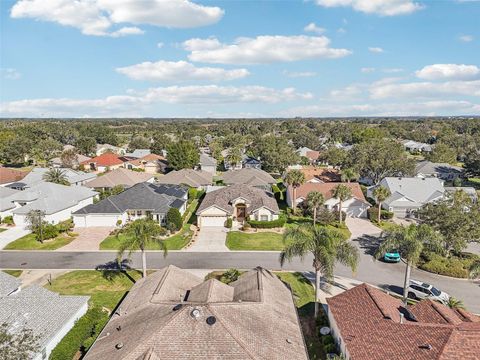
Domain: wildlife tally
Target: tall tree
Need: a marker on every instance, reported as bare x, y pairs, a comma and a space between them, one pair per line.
69, 158
381, 194
474, 270
349, 174
183, 155
234, 155
334, 156
276, 153
294, 178
442, 153
86, 145
56, 176
472, 163
139, 142
160, 142
35, 220
315, 200
17, 345
138, 235
410, 241
342, 193
327, 246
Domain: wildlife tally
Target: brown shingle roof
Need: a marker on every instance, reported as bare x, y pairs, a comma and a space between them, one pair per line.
121, 176
193, 178
255, 199
326, 189
8, 175
238, 330
248, 176
368, 321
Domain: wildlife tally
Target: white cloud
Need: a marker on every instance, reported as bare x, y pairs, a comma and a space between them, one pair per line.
299, 74
179, 71
367, 70
11, 74
138, 103
97, 17
160, 45
376, 50
312, 27
466, 38
392, 70
448, 72
262, 49
379, 7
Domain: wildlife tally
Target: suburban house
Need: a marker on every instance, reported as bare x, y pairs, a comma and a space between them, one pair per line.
248, 176
315, 174
409, 194
119, 177
369, 324
140, 201
442, 171
107, 148
470, 191
9, 175
56, 201
198, 179
237, 202
138, 153
208, 163
173, 314
104, 162
48, 315
79, 158
356, 206
151, 164
414, 146
6, 205
250, 162
34, 177
311, 155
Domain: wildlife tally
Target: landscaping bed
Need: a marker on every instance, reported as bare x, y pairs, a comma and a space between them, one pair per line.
30, 242
454, 266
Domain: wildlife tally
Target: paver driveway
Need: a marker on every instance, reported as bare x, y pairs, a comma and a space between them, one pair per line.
87, 239
210, 239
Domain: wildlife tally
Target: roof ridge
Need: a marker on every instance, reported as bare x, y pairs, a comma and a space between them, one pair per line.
370, 291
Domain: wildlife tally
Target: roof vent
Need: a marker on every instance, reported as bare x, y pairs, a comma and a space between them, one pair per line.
426, 347
177, 307
119, 327
195, 313
119, 346
211, 320
288, 341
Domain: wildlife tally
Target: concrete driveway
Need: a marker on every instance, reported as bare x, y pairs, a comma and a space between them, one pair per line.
361, 227
12, 234
210, 239
87, 239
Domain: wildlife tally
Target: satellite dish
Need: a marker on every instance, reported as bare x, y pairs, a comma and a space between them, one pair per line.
325, 330
195, 313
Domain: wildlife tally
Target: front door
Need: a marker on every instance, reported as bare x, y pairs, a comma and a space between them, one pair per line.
241, 212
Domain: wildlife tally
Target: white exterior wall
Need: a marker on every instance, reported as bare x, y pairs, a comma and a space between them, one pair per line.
92, 220
257, 215
62, 332
335, 332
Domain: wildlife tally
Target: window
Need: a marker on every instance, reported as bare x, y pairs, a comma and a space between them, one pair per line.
139, 212
263, 217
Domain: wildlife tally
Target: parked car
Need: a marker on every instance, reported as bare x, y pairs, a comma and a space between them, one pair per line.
392, 256
419, 290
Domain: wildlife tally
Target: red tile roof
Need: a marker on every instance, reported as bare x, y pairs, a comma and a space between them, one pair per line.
327, 190
368, 321
106, 159
8, 175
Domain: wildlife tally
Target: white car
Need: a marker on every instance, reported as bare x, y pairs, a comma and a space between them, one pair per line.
419, 290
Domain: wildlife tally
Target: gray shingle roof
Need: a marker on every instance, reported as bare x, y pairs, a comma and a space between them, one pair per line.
121, 176
35, 176
206, 160
193, 178
430, 168
252, 318
142, 196
42, 311
248, 176
418, 190
8, 284
255, 198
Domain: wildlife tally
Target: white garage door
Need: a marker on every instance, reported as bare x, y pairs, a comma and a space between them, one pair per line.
213, 221
357, 211
95, 220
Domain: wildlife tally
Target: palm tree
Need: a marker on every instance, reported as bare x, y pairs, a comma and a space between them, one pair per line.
327, 247
295, 178
315, 199
342, 193
234, 156
56, 176
348, 175
138, 235
381, 194
454, 303
410, 241
474, 270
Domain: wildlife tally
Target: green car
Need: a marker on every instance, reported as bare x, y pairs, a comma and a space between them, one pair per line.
392, 256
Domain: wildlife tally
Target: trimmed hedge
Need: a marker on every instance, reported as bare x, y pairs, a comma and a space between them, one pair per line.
373, 214
449, 266
8, 220
229, 223
267, 224
81, 336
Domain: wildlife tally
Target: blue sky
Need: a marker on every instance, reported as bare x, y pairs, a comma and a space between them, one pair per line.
180, 58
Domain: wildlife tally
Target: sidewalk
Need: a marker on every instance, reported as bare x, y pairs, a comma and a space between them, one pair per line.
39, 277
12, 234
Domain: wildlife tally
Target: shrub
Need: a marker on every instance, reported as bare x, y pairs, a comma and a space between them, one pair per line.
8, 220
373, 214
229, 276
119, 222
455, 266
330, 348
81, 336
192, 194
49, 231
326, 217
229, 223
246, 226
200, 193
65, 226
174, 220
336, 216
327, 339
267, 224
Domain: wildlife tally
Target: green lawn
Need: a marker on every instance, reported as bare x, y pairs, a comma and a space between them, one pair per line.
254, 241
15, 273
105, 288
2, 230
386, 225
28, 242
